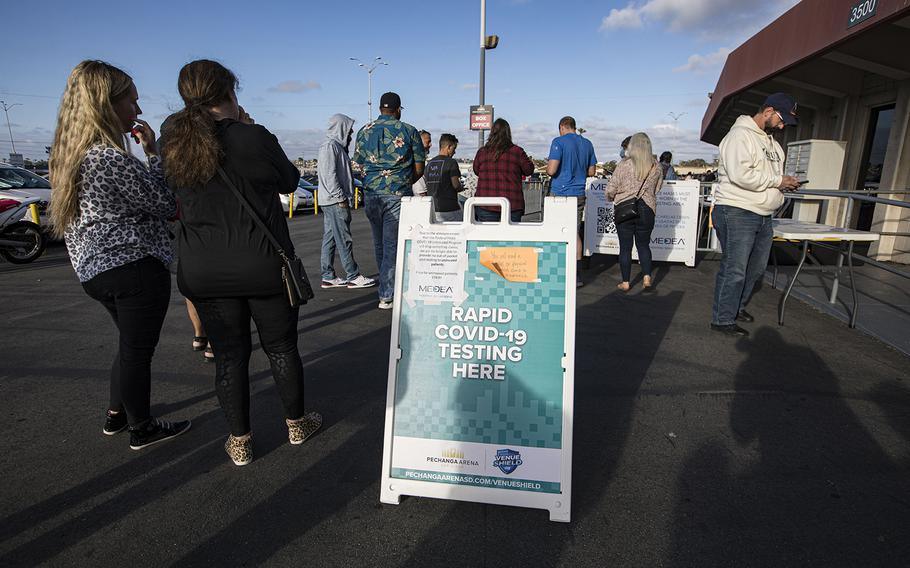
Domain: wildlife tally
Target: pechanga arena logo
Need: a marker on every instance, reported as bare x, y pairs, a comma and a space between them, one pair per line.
452, 457
507, 460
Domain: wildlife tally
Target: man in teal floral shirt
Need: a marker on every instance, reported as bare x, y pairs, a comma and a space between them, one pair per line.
392, 156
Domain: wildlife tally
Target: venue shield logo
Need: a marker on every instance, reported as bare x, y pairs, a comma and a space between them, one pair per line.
507, 460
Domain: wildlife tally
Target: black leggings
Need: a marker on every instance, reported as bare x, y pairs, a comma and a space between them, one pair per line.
227, 323
639, 230
136, 295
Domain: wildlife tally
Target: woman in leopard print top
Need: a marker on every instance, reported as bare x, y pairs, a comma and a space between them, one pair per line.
112, 210
124, 207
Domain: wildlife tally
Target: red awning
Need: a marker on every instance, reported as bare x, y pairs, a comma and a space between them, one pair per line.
806, 31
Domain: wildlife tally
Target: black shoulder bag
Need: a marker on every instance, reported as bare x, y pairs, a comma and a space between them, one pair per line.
628, 209
296, 283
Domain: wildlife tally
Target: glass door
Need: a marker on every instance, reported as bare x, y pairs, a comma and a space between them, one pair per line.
876, 147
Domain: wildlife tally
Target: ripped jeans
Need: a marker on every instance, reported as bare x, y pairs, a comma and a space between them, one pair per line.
227, 322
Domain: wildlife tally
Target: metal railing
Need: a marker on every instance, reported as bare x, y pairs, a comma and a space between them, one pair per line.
864, 196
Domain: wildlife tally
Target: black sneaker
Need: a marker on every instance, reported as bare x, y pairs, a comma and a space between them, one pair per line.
744, 316
156, 430
114, 423
731, 329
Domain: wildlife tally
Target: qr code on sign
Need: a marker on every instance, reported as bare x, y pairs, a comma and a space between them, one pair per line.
605, 220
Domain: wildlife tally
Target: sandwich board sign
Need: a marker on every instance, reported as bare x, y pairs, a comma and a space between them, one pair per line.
481, 365
674, 238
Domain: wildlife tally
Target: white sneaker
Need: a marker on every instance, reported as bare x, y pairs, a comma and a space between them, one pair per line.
361, 282
385, 304
334, 283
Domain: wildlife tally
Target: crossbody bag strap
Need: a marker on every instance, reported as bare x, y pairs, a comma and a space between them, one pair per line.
640, 189
252, 213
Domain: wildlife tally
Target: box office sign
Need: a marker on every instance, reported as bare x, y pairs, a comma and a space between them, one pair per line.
481, 363
481, 117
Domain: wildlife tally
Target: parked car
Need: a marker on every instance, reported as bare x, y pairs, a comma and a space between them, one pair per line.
303, 196
22, 180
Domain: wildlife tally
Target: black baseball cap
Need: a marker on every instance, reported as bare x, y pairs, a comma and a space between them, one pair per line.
390, 100
785, 105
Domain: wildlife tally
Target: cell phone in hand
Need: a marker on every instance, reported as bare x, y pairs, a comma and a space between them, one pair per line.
134, 132
805, 181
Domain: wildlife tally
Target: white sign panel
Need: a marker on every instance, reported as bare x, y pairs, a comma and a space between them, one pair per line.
675, 225
436, 265
481, 365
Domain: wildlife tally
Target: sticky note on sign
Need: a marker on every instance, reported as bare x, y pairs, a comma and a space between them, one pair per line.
515, 264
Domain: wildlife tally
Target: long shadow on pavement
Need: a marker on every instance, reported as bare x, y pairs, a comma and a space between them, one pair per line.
623, 331
329, 484
805, 483
320, 362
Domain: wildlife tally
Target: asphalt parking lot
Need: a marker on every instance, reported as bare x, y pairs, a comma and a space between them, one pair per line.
789, 448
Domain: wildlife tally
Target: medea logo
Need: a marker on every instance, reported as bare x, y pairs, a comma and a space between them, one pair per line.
435, 289
668, 241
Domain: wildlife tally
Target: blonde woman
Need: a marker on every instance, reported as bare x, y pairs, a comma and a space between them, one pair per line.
112, 209
636, 177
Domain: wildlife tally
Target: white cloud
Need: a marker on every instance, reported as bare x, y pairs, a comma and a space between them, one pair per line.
628, 17
534, 137
702, 63
300, 142
295, 87
469, 86
708, 19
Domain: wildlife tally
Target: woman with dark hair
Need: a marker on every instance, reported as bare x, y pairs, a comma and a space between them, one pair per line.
500, 165
228, 267
113, 209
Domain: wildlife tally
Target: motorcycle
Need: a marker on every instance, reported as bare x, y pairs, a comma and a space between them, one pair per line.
21, 241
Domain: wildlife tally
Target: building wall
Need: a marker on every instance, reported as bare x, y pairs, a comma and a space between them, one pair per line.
847, 118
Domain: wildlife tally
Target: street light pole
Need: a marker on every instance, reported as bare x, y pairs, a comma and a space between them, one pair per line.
483, 52
6, 108
369, 69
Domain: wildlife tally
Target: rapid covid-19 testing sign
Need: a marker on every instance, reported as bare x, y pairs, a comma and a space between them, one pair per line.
481, 370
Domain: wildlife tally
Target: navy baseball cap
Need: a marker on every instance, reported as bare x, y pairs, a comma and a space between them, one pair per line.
390, 100
785, 105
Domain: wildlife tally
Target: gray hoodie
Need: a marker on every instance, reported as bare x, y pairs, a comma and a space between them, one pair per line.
334, 164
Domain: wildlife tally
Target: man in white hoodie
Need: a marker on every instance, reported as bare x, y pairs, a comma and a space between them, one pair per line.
750, 188
336, 191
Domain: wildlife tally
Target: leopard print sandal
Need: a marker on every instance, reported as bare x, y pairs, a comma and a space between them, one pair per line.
240, 450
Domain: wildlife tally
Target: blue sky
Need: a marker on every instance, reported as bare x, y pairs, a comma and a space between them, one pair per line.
618, 67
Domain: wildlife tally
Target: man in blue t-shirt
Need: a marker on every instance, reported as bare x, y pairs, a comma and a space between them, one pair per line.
570, 163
